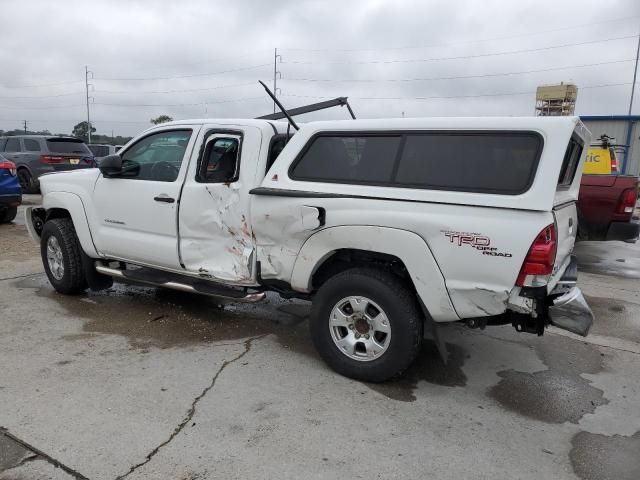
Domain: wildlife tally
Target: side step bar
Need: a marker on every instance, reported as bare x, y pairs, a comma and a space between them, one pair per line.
159, 278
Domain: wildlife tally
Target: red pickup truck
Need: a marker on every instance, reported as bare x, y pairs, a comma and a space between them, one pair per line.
606, 202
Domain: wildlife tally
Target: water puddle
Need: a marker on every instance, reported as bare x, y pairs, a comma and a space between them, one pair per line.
601, 457
559, 394
150, 317
428, 367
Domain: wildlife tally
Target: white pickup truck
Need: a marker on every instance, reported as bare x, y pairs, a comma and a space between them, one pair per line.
390, 227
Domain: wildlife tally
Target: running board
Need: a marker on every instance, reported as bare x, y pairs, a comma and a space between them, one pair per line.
159, 278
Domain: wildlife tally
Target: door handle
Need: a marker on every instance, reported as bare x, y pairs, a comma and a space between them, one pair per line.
164, 198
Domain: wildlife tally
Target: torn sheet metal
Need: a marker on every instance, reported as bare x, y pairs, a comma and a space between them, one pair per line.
479, 302
216, 240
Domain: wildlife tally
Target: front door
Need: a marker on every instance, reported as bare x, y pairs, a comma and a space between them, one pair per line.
137, 212
216, 240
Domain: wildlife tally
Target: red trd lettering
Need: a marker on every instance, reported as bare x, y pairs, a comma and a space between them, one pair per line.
468, 239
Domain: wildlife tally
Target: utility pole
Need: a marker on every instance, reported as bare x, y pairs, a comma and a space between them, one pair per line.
87, 84
629, 122
635, 74
276, 75
24, 122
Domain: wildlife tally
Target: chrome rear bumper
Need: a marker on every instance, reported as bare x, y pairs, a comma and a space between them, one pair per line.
569, 310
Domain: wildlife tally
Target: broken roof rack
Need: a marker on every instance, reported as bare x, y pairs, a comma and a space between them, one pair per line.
314, 107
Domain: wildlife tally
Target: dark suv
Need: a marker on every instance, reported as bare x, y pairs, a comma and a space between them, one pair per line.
38, 154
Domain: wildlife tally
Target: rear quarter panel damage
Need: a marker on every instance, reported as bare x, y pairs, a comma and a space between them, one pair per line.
474, 254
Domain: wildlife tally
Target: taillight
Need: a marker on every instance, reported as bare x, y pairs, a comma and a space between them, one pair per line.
627, 201
7, 165
50, 159
614, 163
541, 255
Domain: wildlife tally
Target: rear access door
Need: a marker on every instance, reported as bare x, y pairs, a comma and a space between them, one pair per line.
216, 238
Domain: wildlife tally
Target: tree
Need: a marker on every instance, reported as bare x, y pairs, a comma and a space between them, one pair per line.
81, 131
161, 119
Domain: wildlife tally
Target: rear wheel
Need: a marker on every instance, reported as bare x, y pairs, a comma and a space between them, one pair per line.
61, 256
27, 182
8, 215
366, 324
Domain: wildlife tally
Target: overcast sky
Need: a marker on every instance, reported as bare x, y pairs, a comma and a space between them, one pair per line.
193, 58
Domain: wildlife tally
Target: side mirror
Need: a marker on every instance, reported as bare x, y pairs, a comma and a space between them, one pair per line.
111, 166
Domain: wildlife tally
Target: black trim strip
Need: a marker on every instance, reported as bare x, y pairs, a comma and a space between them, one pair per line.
281, 192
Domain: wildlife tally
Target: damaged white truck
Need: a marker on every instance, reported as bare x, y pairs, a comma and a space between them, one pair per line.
390, 227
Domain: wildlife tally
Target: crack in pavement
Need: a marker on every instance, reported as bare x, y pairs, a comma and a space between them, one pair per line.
28, 459
192, 410
40, 454
21, 276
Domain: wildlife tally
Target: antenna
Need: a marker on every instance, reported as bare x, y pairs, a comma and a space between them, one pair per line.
282, 109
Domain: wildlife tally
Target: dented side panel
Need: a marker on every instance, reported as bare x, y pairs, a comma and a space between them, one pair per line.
478, 250
216, 237
407, 246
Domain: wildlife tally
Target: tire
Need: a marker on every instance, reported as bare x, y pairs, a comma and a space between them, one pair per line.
389, 296
59, 239
9, 214
28, 184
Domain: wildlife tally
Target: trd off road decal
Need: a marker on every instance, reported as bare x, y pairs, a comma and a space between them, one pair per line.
474, 240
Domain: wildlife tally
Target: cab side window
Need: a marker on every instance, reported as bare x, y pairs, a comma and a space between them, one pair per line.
219, 163
157, 157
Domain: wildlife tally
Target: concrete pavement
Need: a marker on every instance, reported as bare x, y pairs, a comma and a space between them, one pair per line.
139, 383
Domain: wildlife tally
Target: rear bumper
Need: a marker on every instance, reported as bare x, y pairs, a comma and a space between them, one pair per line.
568, 308
564, 306
571, 312
625, 231
10, 200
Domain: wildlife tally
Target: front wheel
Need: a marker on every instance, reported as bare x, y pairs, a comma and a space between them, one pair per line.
61, 256
366, 324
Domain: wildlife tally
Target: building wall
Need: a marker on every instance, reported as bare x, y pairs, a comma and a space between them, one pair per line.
618, 130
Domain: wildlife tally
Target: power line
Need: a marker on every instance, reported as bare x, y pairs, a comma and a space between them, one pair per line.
42, 96
504, 94
178, 104
217, 60
66, 120
457, 77
251, 67
137, 92
460, 57
43, 85
43, 108
436, 45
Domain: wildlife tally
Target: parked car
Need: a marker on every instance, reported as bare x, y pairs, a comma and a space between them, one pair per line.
101, 150
35, 155
389, 226
607, 198
10, 192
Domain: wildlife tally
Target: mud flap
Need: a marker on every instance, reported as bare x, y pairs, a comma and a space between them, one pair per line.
432, 331
571, 312
96, 281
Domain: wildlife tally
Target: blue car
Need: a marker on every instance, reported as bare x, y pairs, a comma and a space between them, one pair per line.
10, 191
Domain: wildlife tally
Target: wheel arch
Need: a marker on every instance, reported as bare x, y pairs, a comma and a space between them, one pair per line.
331, 248
66, 204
